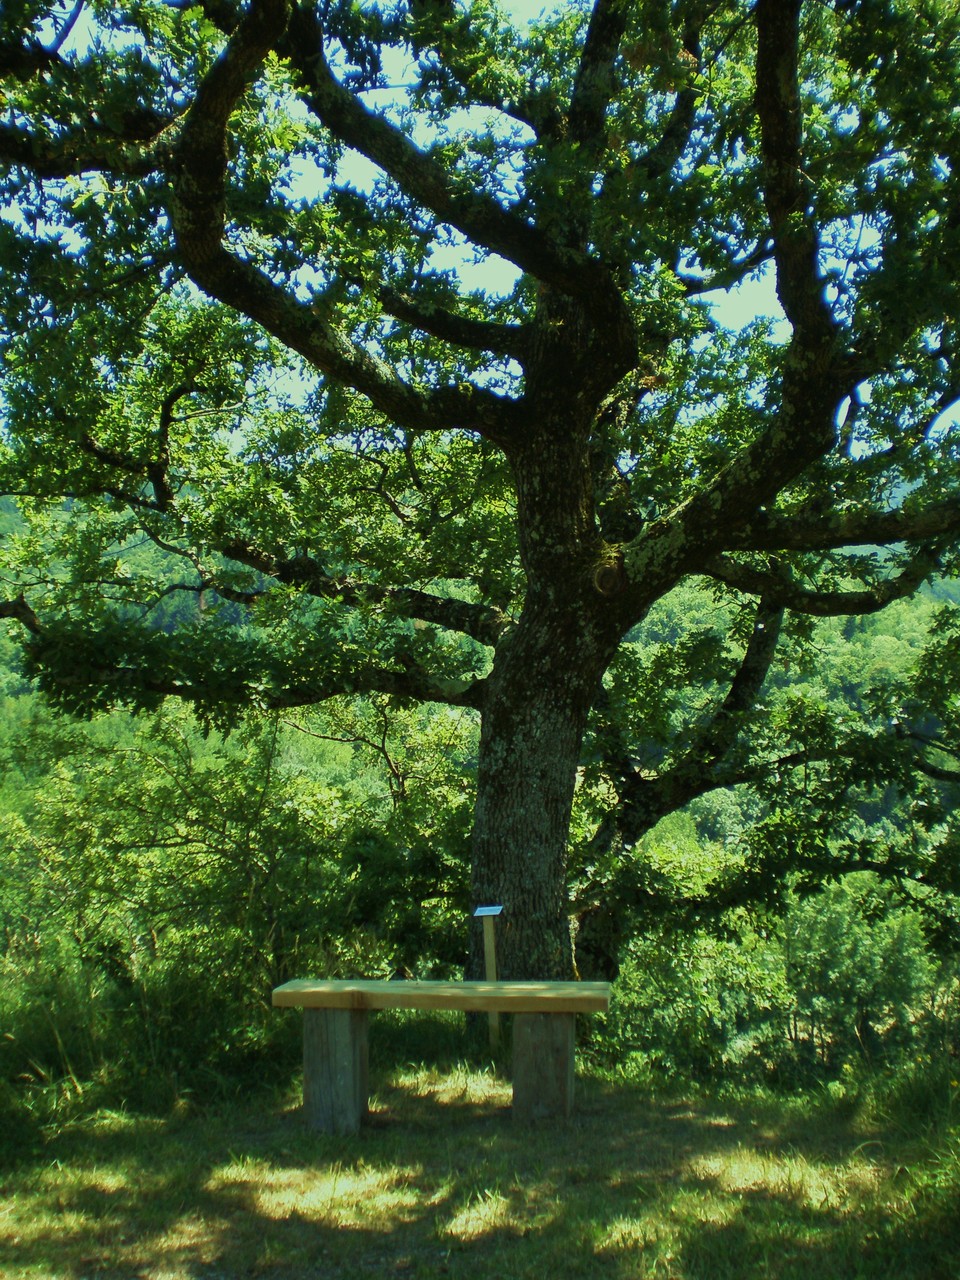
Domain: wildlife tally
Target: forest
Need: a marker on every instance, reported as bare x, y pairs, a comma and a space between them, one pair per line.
160, 877
475, 454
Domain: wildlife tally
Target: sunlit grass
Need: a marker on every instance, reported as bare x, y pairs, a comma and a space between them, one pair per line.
337, 1196
441, 1182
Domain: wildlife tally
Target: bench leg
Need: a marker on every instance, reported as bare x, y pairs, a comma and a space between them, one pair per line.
334, 1069
543, 1065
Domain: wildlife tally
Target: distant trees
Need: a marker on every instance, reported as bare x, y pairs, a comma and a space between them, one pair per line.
158, 882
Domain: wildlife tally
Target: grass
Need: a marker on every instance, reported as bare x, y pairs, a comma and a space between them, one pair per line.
441, 1182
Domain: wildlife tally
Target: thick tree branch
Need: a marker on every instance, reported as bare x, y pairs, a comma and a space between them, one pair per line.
606, 904
925, 742
413, 683
657, 161
458, 62
481, 218
670, 146
71, 20
737, 271
159, 666
696, 771
155, 470
917, 434
19, 611
814, 380
770, 531
814, 377
482, 622
777, 584
765, 884
538, 111
663, 155
643, 800
786, 188
26, 60
683, 540
936, 772
78, 151
198, 213
480, 335
223, 14
595, 82
302, 328
714, 740
198, 207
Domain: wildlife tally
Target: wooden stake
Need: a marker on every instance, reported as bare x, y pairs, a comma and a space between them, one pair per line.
489, 915
490, 973
334, 1069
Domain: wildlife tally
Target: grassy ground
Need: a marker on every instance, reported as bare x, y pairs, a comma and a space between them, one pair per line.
441, 1182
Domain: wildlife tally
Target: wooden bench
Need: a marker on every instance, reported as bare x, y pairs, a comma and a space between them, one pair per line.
335, 1038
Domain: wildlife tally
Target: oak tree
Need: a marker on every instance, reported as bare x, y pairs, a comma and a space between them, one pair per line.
395, 327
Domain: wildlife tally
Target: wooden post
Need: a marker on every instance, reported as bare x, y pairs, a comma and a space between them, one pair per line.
490, 973
489, 916
543, 1065
334, 1069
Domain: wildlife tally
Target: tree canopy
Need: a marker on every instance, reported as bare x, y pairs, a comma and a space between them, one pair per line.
360, 347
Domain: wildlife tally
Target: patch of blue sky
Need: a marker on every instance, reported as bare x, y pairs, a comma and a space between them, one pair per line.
753, 299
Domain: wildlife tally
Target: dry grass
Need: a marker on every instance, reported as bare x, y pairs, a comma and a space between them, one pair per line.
442, 1183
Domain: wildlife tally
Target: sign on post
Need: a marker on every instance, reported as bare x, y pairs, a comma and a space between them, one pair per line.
489, 915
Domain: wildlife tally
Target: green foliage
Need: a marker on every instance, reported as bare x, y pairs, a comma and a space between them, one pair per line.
843, 982
158, 883
858, 971
219, 430
697, 1005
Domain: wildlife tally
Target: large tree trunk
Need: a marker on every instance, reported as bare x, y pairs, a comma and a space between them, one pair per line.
546, 670
544, 681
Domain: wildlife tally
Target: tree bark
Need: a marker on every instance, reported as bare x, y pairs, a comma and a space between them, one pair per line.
544, 680
547, 670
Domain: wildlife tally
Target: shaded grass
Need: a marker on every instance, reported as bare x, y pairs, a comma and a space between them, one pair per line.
441, 1182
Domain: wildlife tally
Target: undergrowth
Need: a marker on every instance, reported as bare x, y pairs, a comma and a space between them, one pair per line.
690, 1185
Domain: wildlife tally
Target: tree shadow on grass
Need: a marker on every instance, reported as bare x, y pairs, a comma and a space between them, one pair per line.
776, 1235
442, 1182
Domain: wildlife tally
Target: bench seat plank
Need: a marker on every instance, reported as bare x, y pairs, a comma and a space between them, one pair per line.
476, 997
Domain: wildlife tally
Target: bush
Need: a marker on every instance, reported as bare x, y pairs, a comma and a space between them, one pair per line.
697, 1004
845, 982
859, 973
